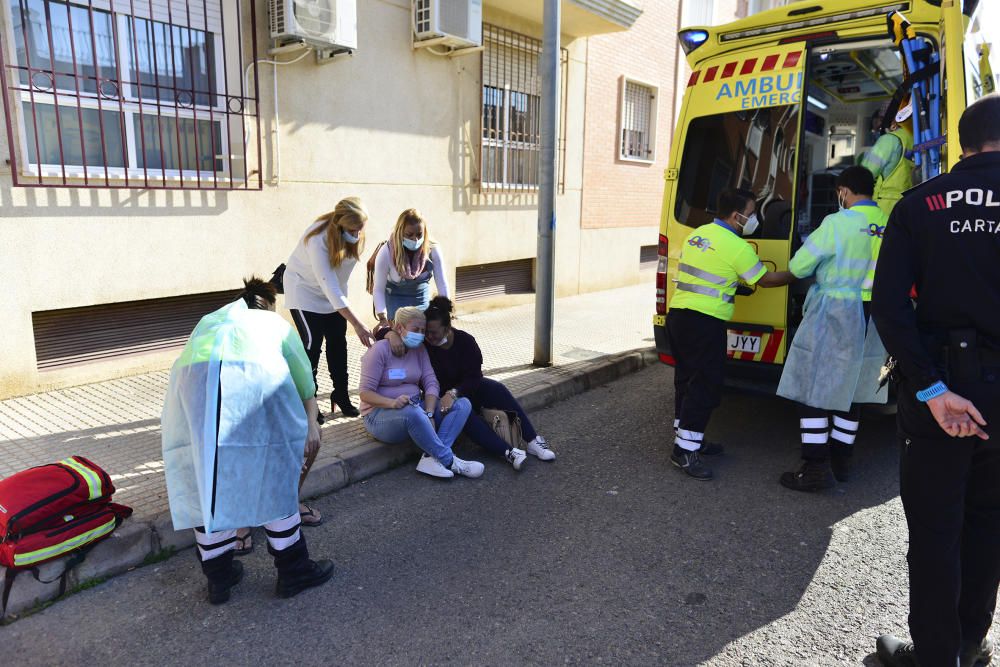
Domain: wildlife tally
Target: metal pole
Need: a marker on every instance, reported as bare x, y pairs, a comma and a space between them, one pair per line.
545, 273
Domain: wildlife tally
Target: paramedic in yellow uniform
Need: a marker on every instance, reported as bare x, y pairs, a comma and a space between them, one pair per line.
714, 259
888, 162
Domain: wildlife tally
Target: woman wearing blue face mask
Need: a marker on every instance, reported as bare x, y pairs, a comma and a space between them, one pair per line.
394, 409
315, 281
404, 267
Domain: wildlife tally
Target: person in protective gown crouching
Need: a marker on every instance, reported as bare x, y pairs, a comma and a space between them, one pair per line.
239, 418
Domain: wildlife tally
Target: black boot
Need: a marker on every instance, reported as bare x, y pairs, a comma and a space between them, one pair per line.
690, 463
812, 476
342, 399
894, 652
841, 465
296, 572
976, 654
223, 573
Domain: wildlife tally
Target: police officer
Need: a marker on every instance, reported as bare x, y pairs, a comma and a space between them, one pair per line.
889, 163
944, 236
714, 258
834, 360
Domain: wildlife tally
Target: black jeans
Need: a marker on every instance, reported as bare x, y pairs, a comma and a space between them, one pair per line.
950, 488
698, 344
314, 328
495, 395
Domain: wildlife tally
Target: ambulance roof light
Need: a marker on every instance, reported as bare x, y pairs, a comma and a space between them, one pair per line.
692, 39
815, 22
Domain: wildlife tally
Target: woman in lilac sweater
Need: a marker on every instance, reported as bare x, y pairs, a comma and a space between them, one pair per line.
394, 410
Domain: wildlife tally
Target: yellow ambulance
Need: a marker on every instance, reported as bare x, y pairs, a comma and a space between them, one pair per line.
780, 102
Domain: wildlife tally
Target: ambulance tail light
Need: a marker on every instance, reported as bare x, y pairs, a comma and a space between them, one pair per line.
692, 39
662, 250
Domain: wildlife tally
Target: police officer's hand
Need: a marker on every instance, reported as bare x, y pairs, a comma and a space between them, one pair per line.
957, 416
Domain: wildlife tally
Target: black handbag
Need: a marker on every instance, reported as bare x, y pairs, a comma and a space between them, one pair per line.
278, 279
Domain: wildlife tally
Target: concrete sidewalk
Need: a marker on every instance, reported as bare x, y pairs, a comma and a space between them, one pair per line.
598, 337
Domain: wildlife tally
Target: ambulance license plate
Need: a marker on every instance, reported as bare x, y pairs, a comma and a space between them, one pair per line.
743, 343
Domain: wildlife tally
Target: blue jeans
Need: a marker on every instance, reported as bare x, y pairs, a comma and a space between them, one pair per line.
395, 426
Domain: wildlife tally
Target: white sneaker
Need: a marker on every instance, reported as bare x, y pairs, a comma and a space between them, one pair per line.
516, 457
538, 447
431, 466
467, 468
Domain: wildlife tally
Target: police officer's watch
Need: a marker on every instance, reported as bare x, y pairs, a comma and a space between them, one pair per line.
932, 391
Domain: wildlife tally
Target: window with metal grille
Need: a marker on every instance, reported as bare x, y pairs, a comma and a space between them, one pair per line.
638, 121
511, 114
131, 93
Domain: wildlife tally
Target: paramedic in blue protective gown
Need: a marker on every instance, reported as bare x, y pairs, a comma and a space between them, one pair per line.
239, 416
714, 258
835, 358
944, 237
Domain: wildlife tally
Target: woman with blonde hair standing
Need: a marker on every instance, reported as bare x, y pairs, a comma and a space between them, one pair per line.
404, 267
315, 282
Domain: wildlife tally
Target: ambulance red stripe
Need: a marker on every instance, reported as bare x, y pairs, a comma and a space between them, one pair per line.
769, 63
791, 60
773, 343
710, 74
694, 78
748, 66
728, 70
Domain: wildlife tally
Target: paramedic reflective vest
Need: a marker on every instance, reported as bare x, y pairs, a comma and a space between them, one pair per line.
877, 220
893, 171
713, 260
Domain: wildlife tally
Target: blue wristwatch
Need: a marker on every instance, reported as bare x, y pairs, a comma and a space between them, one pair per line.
932, 391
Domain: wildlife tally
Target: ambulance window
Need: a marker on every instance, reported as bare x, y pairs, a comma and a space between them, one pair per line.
754, 150
982, 53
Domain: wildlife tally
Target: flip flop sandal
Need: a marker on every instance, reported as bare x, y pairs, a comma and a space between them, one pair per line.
244, 545
311, 518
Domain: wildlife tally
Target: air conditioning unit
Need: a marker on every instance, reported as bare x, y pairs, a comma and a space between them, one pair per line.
324, 24
455, 23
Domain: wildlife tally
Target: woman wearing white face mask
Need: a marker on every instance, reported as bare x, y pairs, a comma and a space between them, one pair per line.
404, 267
315, 284
394, 409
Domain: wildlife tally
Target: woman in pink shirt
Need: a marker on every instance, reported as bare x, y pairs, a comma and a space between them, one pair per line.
394, 410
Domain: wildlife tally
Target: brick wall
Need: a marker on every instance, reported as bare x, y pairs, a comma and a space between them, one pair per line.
619, 193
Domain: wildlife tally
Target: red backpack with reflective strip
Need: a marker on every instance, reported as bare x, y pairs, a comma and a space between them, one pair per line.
33, 496
52, 511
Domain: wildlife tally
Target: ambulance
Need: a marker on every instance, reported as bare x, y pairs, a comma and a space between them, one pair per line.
779, 103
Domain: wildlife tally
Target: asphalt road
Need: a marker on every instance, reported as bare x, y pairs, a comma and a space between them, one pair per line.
606, 556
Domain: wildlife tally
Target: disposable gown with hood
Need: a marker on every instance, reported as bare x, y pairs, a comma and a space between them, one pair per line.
233, 424
834, 360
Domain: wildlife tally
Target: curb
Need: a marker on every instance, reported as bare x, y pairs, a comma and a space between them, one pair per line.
138, 542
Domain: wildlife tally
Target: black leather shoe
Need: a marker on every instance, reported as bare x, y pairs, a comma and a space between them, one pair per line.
976, 655
218, 590
841, 466
894, 652
812, 476
690, 463
711, 448
316, 573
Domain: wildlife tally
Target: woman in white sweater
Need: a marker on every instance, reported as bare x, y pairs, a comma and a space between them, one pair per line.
404, 267
315, 281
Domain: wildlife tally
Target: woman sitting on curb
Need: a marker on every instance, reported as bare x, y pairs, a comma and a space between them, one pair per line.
394, 410
458, 365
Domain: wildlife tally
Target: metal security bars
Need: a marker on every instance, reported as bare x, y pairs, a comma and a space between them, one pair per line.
638, 122
131, 93
511, 110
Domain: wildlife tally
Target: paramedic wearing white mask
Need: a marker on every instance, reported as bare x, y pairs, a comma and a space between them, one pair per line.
714, 259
